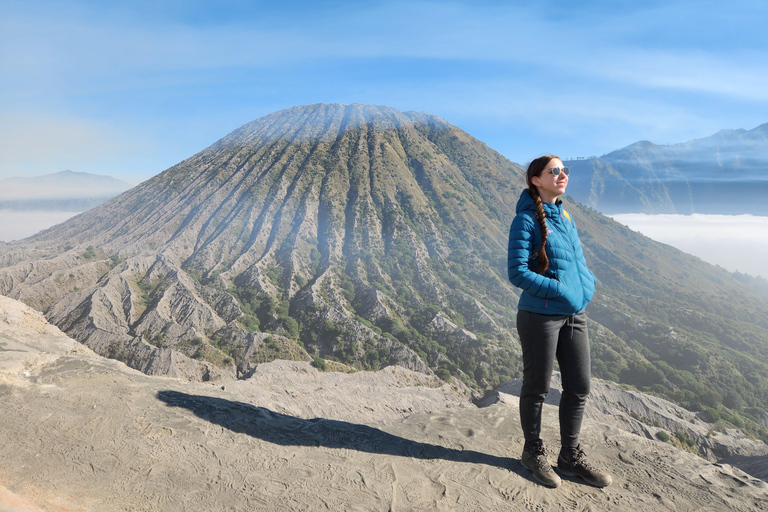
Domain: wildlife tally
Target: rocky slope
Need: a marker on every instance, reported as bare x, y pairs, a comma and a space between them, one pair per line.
83, 433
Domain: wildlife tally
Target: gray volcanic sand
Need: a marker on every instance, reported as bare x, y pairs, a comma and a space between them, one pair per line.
83, 433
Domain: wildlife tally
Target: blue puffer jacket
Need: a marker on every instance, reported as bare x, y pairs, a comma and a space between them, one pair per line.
568, 285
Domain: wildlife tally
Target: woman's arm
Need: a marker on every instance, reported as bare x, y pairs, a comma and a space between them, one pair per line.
587, 277
519, 249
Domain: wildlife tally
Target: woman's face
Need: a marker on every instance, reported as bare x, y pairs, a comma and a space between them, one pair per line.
550, 186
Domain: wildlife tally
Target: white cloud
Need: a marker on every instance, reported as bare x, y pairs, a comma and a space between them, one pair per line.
735, 242
741, 76
120, 52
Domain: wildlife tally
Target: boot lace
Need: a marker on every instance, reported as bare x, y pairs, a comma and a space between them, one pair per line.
579, 458
539, 454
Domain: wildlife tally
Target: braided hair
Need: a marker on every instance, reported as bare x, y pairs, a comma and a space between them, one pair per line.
535, 168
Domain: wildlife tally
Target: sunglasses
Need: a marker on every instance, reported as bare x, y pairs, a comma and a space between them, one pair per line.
557, 170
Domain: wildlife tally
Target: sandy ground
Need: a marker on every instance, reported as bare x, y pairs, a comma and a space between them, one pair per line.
82, 433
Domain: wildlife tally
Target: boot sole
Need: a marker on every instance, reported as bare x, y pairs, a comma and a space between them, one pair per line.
590, 482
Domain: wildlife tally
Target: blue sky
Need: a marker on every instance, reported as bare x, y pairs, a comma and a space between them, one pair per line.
131, 88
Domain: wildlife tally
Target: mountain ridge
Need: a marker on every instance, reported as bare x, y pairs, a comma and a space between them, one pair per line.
60, 185
29, 205
722, 173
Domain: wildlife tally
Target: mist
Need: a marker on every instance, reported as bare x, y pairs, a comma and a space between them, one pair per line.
735, 242
15, 225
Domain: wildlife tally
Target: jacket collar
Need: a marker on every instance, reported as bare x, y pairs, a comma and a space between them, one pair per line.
525, 202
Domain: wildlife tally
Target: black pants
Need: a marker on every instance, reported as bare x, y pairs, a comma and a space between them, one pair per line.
544, 338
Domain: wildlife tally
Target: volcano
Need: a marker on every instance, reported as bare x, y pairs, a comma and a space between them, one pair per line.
353, 233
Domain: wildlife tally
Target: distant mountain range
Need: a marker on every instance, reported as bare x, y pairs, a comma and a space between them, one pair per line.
368, 236
61, 191
726, 173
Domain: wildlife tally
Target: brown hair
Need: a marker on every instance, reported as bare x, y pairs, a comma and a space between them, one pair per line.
535, 168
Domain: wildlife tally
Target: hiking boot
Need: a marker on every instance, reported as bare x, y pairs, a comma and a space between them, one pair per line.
573, 462
534, 459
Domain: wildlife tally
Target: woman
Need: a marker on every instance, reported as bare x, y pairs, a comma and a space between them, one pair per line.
545, 259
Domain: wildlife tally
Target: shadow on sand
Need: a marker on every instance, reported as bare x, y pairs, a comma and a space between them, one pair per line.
287, 430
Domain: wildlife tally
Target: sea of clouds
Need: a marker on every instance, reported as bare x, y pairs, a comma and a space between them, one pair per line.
15, 225
735, 242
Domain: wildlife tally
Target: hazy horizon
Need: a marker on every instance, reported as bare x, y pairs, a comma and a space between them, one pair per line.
16, 225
